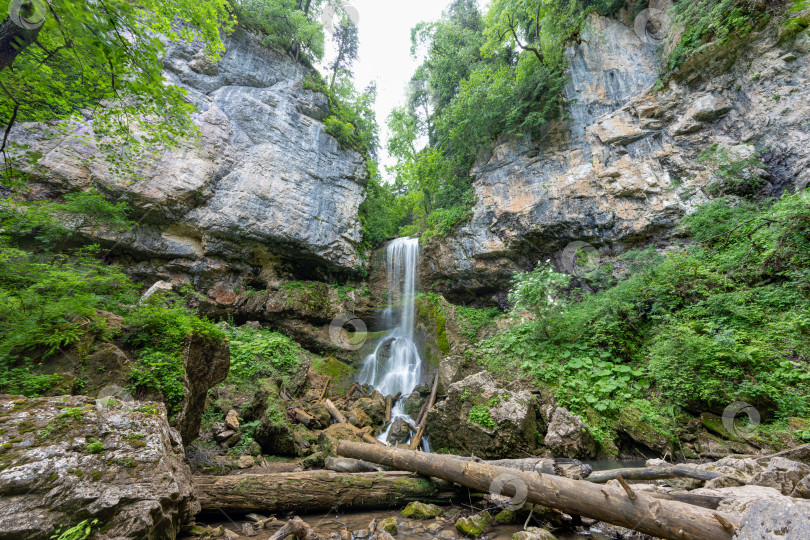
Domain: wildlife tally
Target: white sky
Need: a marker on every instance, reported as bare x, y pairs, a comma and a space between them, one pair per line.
384, 27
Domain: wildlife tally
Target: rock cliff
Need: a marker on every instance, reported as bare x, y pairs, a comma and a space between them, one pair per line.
264, 192
624, 167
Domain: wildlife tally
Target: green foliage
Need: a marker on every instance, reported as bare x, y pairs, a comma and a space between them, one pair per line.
160, 332
724, 319
258, 354
539, 291
471, 320
708, 23
108, 60
80, 531
737, 173
284, 25
94, 447
479, 414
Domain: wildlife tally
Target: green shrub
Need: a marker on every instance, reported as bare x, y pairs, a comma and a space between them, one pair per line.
257, 354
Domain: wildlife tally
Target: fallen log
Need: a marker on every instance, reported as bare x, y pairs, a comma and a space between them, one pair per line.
349, 465
416, 440
302, 417
706, 501
658, 517
316, 491
336, 414
389, 404
653, 473
297, 528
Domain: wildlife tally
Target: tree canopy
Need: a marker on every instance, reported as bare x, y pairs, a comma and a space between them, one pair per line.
65, 56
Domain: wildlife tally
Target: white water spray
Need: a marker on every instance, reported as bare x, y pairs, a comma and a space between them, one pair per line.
400, 370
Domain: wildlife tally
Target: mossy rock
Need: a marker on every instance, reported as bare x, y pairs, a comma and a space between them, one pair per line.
474, 526
642, 431
798, 424
341, 374
328, 438
314, 461
420, 510
374, 408
388, 525
505, 516
714, 423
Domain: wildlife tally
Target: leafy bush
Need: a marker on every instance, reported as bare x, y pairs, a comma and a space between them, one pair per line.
471, 320
708, 23
159, 332
257, 354
723, 319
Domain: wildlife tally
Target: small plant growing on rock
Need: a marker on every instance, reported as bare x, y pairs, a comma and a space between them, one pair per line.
94, 447
480, 415
78, 532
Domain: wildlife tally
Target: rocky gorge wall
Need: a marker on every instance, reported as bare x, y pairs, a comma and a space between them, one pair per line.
264, 193
624, 167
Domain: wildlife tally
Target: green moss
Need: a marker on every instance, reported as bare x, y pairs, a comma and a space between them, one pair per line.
474, 526
431, 312
341, 374
388, 525
505, 516
420, 510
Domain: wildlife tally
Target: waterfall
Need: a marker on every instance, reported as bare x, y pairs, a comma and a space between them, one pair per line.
395, 365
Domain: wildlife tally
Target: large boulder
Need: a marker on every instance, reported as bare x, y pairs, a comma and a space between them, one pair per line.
274, 432
634, 424
73, 458
484, 418
567, 435
328, 439
206, 363
374, 407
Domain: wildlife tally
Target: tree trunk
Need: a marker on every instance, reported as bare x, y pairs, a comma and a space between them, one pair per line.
336, 414
297, 528
316, 491
14, 39
638, 511
417, 438
653, 473
302, 417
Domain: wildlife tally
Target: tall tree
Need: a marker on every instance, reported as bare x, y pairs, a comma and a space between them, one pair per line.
60, 57
347, 43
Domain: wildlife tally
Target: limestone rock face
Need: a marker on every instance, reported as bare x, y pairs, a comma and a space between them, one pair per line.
567, 435
624, 168
71, 458
481, 417
264, 189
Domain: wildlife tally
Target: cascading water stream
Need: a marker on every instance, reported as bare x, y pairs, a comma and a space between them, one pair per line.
395, 365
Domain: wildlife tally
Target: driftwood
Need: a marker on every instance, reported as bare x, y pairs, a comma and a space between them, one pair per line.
653, 473
316, 491
355, 387
389, 404
302, 417
706, 501
349, 465
658, 517
416, 440
297, 528
336, 414
325, 388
